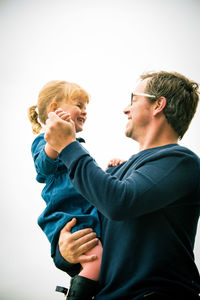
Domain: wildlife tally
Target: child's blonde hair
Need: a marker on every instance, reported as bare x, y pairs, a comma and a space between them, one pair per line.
54, 91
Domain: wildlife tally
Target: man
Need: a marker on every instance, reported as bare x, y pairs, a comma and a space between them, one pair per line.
149, 206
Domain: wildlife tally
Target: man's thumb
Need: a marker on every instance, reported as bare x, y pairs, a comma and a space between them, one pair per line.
69, 225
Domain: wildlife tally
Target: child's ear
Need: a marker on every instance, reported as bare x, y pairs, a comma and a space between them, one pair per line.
53, 106
159, 105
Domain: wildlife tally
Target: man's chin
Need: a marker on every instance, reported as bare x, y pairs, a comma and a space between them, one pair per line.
127, 134
79, 128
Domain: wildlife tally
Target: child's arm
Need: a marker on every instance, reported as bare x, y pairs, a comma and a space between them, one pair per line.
50, 152
44, 158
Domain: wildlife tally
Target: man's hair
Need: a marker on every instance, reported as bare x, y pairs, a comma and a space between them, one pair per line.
182, 97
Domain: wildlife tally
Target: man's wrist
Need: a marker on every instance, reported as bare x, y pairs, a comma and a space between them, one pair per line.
72, 153
67, 143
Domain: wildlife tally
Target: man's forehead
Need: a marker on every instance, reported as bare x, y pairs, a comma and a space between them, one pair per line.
141, 86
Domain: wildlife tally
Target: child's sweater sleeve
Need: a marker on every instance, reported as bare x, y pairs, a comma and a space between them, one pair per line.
44, 165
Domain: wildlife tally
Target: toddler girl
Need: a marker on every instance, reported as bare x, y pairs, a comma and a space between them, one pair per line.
63, 201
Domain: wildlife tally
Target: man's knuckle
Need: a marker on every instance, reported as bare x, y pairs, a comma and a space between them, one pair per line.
71, 247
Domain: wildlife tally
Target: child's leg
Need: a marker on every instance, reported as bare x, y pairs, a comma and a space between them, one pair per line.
91, 270
85, 285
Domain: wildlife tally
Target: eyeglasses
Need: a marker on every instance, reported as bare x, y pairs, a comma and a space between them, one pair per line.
141, 94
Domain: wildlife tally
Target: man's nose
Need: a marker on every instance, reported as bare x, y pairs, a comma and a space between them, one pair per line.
126, 109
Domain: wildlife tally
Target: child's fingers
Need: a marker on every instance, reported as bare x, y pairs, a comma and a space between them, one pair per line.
64, 115
110, 163
57, 111
115, 162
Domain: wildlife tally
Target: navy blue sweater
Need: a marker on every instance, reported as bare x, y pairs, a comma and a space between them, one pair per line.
149, 209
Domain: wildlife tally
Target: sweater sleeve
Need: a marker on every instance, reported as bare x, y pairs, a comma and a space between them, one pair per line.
154, 185
44, 165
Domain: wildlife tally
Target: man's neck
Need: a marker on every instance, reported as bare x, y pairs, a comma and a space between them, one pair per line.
155, 137
157, 144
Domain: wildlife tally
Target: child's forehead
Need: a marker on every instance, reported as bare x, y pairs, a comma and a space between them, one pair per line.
81, 99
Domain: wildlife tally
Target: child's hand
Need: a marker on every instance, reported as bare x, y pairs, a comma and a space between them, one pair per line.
115, 162
63, 115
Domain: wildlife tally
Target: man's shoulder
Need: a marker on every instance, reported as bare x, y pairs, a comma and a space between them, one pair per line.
170, 153
184, 152
174, 150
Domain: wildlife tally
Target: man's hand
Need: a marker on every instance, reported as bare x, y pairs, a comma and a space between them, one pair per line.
72, 246
59, 133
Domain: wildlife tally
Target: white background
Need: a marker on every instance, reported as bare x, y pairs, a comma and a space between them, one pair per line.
104, 46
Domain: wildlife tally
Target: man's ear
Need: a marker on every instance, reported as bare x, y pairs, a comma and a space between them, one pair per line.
159, 105
53, 106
